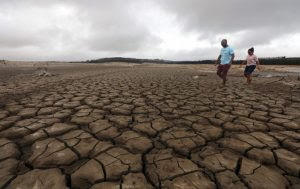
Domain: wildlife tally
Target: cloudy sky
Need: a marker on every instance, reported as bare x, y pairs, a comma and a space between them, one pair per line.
168, 29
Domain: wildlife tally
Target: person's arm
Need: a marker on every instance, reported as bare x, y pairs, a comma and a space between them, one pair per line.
232, 58
232, 55
258, 64
218, 60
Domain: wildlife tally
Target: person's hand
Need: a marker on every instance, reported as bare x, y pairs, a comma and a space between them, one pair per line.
216, 63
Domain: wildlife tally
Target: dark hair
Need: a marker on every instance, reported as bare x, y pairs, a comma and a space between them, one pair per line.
251, 49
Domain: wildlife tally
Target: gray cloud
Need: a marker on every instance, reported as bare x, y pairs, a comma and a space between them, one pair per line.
100, 28
79, 30
265, 19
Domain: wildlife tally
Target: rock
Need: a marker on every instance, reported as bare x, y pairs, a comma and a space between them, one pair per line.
258, 176
48, 178
291, 134
87, 175
216, 161
135, 142
72, 104
228, 179
259, 117
288, 161
59, 128
14, 108
31, 138
276, 115
234, 144
250, 140
225, 117
182, 140
15, 132
208, 132
279, 121
8, 170
160, 125
135, 180
123, 109
216, 122
62, 114
145, 128
292, 125
295, 182
27, 112
264, 156
121, 121
235, 127
48, 110
196, 180
117, 162
107, 185
8, 121
291, 144
161, 168
83, 120
51, 153
266, 139
25, 122
8, 149
103, 129
241, 112
99, 148
81, 141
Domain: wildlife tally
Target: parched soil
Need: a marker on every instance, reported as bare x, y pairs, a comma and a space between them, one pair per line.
102, 127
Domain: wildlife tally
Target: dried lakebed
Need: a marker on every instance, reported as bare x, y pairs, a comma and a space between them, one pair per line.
116, 127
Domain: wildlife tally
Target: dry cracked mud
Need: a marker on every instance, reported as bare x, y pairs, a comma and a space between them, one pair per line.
142, 127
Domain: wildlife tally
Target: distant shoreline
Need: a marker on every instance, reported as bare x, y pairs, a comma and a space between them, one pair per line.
264, 61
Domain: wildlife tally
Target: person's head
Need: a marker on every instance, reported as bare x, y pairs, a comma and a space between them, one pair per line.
251, 51
224, 43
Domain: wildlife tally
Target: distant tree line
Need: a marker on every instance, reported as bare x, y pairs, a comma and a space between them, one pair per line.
265, 61
277, 61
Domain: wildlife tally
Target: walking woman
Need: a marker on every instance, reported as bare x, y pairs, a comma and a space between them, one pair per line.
251, 61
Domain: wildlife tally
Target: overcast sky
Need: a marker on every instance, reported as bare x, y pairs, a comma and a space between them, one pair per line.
168, 29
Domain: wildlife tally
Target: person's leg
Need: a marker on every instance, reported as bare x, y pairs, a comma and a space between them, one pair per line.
246, 73
224, 74
247, 77
220, 70
251, 70
250, 78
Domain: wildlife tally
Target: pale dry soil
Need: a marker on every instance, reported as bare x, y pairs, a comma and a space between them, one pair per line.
102, 127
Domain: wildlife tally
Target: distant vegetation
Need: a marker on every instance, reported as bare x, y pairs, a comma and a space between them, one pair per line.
278, 61
141, 61
264, 61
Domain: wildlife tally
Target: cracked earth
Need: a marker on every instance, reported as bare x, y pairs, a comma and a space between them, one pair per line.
104, 127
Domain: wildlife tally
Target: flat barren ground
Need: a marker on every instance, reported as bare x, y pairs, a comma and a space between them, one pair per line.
148, 126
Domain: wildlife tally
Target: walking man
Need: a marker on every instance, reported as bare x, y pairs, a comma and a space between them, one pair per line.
224, 61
